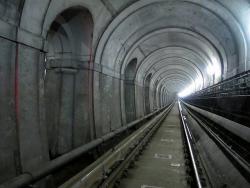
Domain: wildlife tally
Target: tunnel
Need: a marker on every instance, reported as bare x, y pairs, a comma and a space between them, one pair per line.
124, 93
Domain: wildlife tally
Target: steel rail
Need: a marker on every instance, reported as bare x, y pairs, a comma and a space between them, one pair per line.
243, 165
109, 182
188, 138
31, 177
108, 168
238, 129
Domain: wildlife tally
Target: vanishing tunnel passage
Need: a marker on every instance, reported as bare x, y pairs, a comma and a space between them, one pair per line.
124, 93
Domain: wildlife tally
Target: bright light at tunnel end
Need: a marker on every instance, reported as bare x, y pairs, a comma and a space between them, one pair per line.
212, 70
186, 91
196, 85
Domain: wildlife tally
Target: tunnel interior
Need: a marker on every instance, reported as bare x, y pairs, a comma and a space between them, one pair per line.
74, 71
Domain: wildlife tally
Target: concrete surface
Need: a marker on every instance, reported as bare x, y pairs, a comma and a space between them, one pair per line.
161, 164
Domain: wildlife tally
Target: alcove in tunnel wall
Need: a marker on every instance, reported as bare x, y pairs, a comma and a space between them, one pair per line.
67, 75
129, 91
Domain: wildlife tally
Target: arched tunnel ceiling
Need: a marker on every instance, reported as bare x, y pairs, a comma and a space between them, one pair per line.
203, 41
173, 76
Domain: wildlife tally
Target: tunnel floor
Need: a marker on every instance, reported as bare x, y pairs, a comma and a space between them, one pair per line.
162, 163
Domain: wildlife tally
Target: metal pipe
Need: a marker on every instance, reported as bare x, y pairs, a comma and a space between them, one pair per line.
29, 177
96, 173
234, 127
227, 148
188, 137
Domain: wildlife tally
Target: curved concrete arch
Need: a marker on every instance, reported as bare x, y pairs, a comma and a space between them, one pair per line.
180, 52
162, 65
166, 33
55, 7
173, 68
65, 41
77, 25
167, 54
149, 60
170, 90
165, 73
171, 85
169, 51
174, 80
177, 72
46, 11
184, 78
97, 53
165, 91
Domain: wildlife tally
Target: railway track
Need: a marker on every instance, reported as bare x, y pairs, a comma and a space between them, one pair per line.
165, 152
235, 149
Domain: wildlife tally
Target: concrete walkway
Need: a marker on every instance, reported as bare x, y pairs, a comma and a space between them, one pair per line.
162, 163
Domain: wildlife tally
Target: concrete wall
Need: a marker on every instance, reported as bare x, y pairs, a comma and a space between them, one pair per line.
9, 142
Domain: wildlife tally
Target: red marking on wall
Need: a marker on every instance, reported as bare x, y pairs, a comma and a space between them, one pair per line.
16, 89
